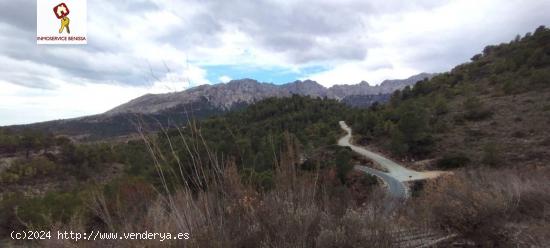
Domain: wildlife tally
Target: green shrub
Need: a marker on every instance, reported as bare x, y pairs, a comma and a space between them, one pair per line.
9, 177
27, 169
540, 78
491, 154
39, 212
260, 180
453, 161
475, 110
441, 106
510, 88
343, 163
397, 144
18, 212
8, 220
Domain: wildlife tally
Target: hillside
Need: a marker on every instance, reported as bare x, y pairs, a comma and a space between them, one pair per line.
494, 110
40, 172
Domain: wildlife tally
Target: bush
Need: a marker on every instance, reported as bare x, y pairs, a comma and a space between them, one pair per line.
475, 110
453, 161
487, 206
491, 154
9, 177
39, 212
510, 88
441, 106
343, 163
540, 78
398, 145
27, 169
8, 220
18, 212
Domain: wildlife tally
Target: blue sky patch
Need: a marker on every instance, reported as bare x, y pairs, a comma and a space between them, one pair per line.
276, 75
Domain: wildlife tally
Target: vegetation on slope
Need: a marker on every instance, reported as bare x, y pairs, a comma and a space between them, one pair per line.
254, 139
490, 111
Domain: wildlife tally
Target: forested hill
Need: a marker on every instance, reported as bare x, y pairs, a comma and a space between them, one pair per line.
494, 110
255, 135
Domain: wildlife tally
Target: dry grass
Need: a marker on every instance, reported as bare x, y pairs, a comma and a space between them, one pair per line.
518, 126
302, 210
491, 208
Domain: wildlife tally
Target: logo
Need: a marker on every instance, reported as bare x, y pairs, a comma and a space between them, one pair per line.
61, 12
57, 27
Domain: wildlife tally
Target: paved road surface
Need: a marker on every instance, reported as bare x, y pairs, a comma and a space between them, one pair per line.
396, 175
396, 188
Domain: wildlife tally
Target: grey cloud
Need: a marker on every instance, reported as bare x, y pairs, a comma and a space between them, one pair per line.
18, 27
303, 31
444, 51
29, 80
294, 28
380, 66
21, 13
137, 5
201, 30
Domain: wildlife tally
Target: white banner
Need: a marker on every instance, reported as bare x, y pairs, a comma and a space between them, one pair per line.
61, 22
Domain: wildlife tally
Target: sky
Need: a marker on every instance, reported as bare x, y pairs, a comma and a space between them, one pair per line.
156, 46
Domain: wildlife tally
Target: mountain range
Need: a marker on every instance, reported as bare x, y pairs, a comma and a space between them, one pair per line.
168, 109
247, 91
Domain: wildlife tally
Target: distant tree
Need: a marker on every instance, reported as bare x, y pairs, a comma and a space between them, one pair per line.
395, 98
413, 122
29, 141
440, 105
61, 141
8, 143
488, 50
406, 92
453, 160
540, 30
414, 128
398, 144
343, 163
48, 141
476, 57
422, 87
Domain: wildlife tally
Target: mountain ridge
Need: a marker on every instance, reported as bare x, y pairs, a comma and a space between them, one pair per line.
225, 95
154, 110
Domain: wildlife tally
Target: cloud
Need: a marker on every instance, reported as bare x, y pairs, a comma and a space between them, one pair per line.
21, 105
162, 46
437, 38
123, 46
224, 79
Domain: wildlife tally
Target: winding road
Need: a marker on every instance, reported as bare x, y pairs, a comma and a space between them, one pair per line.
396, 175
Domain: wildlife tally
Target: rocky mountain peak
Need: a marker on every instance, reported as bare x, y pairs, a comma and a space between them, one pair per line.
307, 87
242, 82
224, 96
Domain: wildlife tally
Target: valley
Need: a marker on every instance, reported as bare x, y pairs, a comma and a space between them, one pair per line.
464, 152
